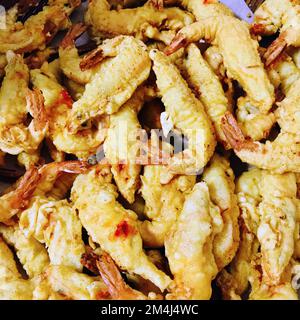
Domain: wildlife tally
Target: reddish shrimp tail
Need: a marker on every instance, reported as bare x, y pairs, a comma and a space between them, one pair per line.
178, 42
92, 59
77, 30
234, 134
26, 188
36, 106
275, 50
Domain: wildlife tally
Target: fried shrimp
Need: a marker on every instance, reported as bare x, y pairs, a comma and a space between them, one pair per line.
112, 226
56, 224
58, 108
219, 178
239, 51
35, 32
12, 286
207, 86
280, 155
189, 247
15, 136
142, 22
75, 285
187, 114
121, 146
269, 209
111, 276
32, 255
12, 202
274, 15
114, 82
163, 202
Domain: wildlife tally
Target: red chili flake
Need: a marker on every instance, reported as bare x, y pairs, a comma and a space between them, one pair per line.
208, 1
124, 229
65, 98
102, 295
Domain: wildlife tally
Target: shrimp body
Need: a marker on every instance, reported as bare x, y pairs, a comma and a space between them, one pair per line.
269, 208
142, 22
15, 136
219, 178
163, 203
57, 105
32, 255
35, 32
280, 155
239, 51
189, 248
56, 224
112, 226
114, 82
274, 15
208, 87
121, 146
187, 114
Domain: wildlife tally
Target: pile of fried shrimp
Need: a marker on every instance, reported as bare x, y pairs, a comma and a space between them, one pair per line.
93, 211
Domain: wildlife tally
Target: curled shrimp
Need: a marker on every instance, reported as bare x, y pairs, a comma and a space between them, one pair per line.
15, 136
280, 155
187, 114
35, 32
58, 108
274, 15
239, 51
142, 22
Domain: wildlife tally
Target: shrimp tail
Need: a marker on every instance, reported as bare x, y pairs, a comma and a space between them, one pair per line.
25, 189
179, 41
234, 134
275, 50
92, 59
76, 31
36, 106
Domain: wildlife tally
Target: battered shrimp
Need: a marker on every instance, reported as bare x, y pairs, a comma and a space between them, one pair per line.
207, 86
219, 178
32, 255
115, 80
122, 147
269, 208
57, 225
189, 248
142, 22
111, 276
187, 114
15, 136
239, 51
280, 155
35, 32
163, 203
112, 226
274, 15
75, 285
14, 201
12, 286
58, 108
